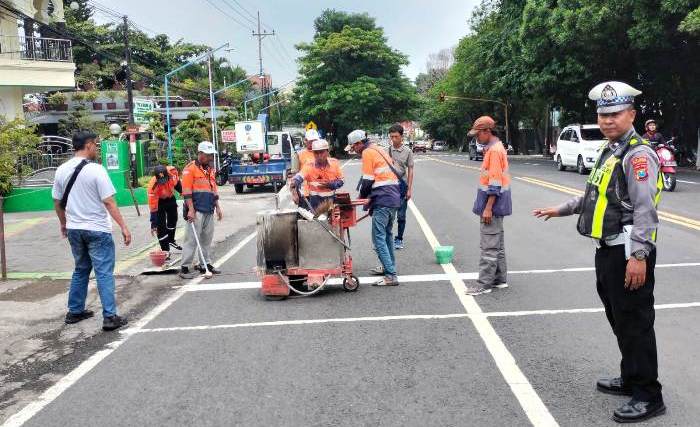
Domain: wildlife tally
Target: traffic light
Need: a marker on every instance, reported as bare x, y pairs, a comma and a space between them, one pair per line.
441, 98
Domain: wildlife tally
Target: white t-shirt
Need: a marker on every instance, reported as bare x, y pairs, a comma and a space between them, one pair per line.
85, 209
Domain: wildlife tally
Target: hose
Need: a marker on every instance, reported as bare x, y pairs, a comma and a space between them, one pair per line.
306, 294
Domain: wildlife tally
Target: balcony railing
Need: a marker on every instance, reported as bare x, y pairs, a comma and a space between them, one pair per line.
36, 49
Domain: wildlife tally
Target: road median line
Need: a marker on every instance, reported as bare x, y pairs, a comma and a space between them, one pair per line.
666, 216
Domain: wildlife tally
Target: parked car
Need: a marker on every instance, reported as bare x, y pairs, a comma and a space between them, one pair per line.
439, 146
579, 146
476, 150
420, 146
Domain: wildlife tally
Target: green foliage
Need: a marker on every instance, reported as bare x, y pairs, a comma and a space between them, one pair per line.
350, 77
56, 99
79, 119
191, 131
536, 54
17, 138
691, 23
91, 96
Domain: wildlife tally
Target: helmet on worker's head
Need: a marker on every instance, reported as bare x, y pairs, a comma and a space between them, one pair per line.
161, 174
358, 135
319, 145
648, 122
311, 135
206, 147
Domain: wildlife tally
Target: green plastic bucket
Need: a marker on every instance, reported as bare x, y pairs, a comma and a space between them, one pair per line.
443, 254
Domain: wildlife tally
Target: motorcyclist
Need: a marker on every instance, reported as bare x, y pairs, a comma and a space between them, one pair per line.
651, 134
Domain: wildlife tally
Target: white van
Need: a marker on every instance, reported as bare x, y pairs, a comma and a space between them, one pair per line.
578, 147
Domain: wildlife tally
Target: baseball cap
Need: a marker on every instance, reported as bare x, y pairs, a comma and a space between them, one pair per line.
319, 145
206, 147
482, 123
358, 135
161, 174
312, 135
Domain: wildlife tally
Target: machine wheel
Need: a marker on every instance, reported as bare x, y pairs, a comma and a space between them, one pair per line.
275, 297
560, 165
669, 181
580, 167
352, 284
239, 188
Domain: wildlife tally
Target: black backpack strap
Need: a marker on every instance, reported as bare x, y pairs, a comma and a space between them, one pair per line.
71, 181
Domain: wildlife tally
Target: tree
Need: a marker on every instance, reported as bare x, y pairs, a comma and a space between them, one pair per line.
17, 139
350, 77
191, 131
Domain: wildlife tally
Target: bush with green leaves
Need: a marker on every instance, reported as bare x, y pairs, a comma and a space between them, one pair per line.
17, 139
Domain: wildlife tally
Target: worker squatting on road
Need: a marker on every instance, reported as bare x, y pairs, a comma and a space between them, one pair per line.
493, 203
619, 211
201, 202
163, 205
322, 176
380, 184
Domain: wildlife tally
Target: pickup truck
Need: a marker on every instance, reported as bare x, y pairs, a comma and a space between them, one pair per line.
263, 169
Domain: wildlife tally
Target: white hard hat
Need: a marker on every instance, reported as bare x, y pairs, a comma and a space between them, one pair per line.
319, 145
354, 137
312, 135
206, 147
612, 96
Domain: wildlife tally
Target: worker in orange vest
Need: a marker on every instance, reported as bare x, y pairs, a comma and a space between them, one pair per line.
163, 205
322, 176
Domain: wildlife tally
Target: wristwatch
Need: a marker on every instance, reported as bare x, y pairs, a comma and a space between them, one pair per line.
640, 255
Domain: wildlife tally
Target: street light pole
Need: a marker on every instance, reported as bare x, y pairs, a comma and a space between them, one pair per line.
167, 100
212, 110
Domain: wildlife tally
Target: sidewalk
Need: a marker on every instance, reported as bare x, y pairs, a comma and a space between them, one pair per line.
35, 248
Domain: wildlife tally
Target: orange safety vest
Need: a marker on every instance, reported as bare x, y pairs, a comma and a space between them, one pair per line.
157, 191
494, 168
316, 177
305, 157
375, 166
199, 184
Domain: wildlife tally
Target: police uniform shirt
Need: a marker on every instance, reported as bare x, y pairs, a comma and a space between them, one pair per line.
641, 167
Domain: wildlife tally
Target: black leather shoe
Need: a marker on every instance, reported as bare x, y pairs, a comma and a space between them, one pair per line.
613, 386
213, 269
635, 411
77, 317
113, 322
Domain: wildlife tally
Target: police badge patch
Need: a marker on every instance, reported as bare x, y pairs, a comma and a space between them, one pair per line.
641, 168
608, 94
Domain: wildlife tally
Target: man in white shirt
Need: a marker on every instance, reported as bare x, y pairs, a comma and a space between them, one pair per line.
83, 200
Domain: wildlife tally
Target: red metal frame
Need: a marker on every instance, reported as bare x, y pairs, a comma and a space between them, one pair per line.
343, 217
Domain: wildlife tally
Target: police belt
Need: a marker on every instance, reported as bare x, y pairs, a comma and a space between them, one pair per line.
610, 241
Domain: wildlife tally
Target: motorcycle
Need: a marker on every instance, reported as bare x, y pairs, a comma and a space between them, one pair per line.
667, 163
223, 172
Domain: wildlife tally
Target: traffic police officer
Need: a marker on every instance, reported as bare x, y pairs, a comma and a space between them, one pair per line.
618, 210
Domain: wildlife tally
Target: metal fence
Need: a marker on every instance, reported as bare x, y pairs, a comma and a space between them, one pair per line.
51, 153
36, 48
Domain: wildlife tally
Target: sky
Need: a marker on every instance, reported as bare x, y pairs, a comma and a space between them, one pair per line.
414, 27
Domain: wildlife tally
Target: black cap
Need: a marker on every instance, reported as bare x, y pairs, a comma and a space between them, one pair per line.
161, 174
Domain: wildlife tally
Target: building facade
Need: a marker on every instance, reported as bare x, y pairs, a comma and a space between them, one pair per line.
32, 58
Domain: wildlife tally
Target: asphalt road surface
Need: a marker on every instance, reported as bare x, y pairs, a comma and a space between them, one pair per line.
422, 354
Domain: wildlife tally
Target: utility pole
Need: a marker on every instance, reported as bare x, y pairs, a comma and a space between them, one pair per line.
130, 102
127, 69
261, 35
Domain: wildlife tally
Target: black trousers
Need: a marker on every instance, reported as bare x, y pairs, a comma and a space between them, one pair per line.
631, 316
167, 222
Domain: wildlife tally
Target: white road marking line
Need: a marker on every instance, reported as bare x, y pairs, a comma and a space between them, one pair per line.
416, 278
580, 310
529, 400
307, 322
688, 182
400, 317
48, 396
